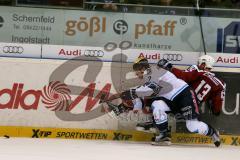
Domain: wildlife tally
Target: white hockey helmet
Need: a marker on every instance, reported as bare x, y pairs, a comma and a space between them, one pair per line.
208, 60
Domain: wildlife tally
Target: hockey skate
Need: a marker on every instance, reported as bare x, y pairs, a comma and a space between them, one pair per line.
216, 138
163, 139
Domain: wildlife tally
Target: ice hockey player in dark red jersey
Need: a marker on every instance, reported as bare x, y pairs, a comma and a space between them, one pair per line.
207, 86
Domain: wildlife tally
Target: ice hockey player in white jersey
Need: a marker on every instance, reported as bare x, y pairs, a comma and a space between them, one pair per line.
214, 95
178, 98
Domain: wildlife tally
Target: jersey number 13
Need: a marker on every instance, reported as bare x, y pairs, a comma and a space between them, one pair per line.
204, 87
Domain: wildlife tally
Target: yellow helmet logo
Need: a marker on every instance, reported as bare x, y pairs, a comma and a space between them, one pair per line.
139, 59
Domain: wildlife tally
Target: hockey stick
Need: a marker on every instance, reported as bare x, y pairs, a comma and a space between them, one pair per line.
111, 98
113, 110
201, 28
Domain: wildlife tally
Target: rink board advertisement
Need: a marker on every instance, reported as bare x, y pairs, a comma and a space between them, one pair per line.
36, 93
99, 29
86, 53
49, 93
226, 60
20, 50
113, 54
66, 133
114, 135
116, 55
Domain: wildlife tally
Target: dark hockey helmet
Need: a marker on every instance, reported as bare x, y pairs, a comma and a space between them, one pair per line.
140, 63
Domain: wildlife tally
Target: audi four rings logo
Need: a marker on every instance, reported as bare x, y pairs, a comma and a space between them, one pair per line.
94, 53
13, 49
173, 57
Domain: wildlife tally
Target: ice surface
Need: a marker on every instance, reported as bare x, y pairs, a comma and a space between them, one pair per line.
59, 149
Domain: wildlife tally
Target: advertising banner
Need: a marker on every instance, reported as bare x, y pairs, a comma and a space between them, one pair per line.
30, 25
226, 60
70, 133
153, 56
20, 50
111, 54
116, 54
48, 93
222, 35
56, 93
144, 31
112, 135
101, 29
80, 53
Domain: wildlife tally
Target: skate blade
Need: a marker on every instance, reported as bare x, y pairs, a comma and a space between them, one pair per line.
165, 143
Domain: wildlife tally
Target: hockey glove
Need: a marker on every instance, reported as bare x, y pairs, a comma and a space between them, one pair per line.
163, 63
128, 94
117, 109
